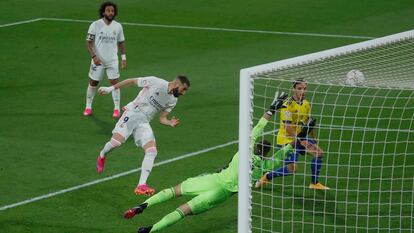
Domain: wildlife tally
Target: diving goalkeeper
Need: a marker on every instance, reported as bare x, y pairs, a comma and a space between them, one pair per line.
212, 189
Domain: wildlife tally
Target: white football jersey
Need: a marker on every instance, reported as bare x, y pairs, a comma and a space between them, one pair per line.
153, 98
106, 39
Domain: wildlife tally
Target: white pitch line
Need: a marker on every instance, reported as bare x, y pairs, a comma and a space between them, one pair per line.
20, 22
113, 176
220, 29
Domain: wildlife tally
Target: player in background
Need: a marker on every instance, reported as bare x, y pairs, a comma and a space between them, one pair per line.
210, 190
293, 116
104, 38
156, 96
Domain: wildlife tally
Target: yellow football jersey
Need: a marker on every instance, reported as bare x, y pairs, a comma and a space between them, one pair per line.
295, 114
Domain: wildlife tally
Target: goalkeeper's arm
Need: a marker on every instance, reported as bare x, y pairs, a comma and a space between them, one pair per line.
276, 104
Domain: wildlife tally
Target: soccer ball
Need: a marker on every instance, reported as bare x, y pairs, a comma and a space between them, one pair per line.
355, 78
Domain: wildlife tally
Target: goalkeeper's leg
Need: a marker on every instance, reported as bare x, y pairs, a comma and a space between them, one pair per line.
197, 205
164, 195
289, 168
168, 219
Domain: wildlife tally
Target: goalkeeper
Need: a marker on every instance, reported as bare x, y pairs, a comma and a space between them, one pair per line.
212, 189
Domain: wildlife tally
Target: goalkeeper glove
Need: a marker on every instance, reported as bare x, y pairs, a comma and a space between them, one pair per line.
306, 129
277, 103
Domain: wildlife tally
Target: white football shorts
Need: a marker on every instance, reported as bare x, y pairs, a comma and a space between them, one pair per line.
97, 72
136, 123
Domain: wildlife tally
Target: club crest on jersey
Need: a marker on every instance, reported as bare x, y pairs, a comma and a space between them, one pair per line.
287, 114
157, 93
114, 32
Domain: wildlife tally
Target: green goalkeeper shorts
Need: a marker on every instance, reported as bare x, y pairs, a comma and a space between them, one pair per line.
207, 190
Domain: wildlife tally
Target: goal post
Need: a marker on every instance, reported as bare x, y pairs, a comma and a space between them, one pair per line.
366, 132
245, 122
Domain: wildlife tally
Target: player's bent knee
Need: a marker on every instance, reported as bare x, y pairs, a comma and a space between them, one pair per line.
149, 145
151, 151
113, 81
93, 83
185, 209
319, 153
292, 167
118, 137
177, 190
115, 143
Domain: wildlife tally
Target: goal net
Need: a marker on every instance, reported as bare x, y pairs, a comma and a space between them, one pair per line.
366, 132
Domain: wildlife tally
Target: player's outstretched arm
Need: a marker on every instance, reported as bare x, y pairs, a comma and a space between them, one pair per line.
124, 83
276, 104
170, 122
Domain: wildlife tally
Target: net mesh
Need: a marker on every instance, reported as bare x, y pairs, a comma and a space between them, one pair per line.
367, 134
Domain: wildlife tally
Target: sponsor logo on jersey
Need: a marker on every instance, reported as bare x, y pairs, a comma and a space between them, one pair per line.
287, 114
155, 103
107, 39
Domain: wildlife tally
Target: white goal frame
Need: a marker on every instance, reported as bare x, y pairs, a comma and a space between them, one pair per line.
246, 110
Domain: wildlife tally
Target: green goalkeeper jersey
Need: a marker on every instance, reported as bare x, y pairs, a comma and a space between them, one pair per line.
229, 176
260, 166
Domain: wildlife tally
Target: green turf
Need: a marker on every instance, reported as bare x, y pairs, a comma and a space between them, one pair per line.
47, 145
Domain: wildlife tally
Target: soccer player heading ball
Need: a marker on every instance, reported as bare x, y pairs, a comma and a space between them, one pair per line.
104, 37
212, 189
294, 115
157, 96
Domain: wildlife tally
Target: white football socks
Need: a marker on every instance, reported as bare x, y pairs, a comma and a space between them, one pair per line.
90, 93
116, 96
109, 146
147, 164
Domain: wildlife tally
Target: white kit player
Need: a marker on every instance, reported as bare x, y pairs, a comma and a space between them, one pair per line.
156, 96
104, 37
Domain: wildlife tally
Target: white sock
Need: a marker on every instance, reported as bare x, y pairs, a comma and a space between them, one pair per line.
109, 146
147, 164
116, 96
90, 93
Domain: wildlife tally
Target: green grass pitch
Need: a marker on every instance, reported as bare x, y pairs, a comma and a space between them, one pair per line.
47, 145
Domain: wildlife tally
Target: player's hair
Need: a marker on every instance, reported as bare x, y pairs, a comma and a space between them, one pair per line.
103, 7
184, 80
299, 81
262, 148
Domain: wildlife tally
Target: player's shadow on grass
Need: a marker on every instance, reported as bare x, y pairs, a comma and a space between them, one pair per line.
105, 127
52, 227
219, 225
320, 203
